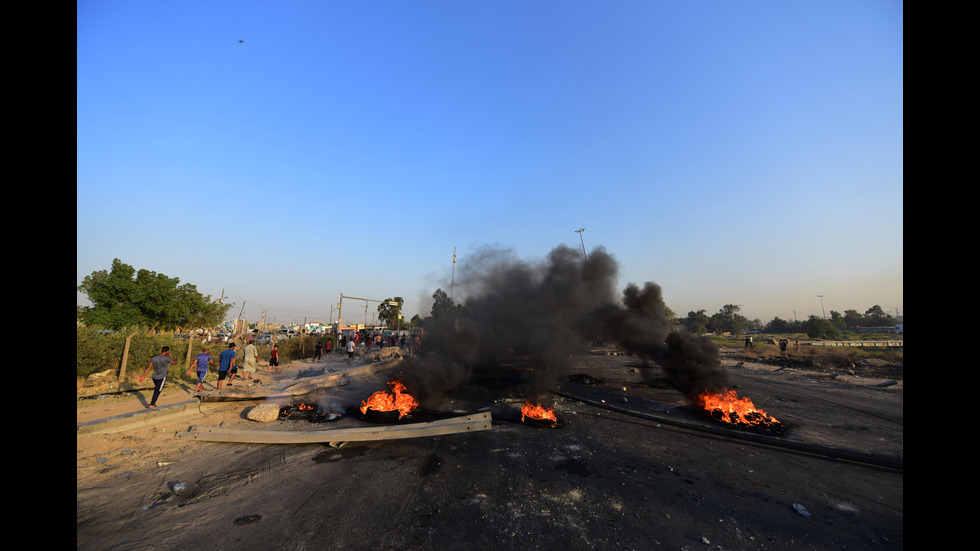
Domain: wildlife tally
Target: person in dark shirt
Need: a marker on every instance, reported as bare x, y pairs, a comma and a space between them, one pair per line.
226, 362
160, 364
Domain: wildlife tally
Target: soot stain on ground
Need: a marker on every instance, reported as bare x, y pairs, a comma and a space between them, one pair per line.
247, 519
572, 466
348, 452
432, 462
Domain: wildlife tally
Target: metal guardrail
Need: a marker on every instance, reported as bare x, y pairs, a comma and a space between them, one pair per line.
854, 343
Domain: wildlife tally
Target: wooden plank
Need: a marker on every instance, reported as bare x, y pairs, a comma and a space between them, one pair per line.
466, 423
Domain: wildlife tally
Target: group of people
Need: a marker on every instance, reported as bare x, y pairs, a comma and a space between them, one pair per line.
318, 349
378, 340
226, 363
203, 362
160, 365
784, 344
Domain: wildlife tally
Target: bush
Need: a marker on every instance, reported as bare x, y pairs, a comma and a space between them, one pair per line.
822, 329
295, 348
97, 351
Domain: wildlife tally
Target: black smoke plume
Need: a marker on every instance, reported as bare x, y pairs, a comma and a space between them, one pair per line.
537, 313
531, 314
691, 363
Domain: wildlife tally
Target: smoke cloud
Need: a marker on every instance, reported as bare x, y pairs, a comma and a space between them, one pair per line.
536, 313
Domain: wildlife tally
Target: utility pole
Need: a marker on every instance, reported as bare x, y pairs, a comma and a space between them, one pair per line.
452, 281
579, 232
340, 311
824, 312
591, 292
240, 317
340, 307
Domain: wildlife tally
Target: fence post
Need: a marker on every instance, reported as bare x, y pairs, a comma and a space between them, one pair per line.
190, 346
125, 358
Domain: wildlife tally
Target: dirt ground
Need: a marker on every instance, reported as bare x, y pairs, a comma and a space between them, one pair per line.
632, 465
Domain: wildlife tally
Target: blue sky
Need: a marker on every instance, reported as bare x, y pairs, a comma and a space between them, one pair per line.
286, 152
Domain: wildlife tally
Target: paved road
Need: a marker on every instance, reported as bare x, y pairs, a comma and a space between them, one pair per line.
601, 480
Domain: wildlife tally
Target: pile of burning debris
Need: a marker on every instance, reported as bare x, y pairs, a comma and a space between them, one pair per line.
307, 412
728, 407
396, 405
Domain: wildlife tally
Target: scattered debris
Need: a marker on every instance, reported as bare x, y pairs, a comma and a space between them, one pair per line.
585, 379
263, 413
247, 519
801, 509
157, 504
99, 375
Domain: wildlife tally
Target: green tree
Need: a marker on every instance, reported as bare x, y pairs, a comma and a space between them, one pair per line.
728, 319
672, 320
819, 328
877, 316
853, 318
697, 322
837, 319
778, 326
443, 306
126, 297
390, 311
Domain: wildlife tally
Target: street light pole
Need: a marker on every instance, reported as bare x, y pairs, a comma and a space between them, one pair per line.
579, 232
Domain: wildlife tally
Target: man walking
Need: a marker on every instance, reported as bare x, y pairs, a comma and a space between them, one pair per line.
251, 363
351, 347
202, 361
226, 361
160, 364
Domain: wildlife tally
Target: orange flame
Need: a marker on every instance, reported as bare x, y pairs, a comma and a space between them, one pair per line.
728, 407
396, 400
538, 412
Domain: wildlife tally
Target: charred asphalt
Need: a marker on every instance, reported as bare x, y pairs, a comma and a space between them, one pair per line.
631, 465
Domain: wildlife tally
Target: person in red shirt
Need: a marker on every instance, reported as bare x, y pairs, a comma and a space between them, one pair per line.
274, 359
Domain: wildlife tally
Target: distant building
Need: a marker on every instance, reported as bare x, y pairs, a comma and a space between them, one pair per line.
314, 328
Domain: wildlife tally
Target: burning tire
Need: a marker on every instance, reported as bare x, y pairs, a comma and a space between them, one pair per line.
389, 406
538, 416
727, 407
